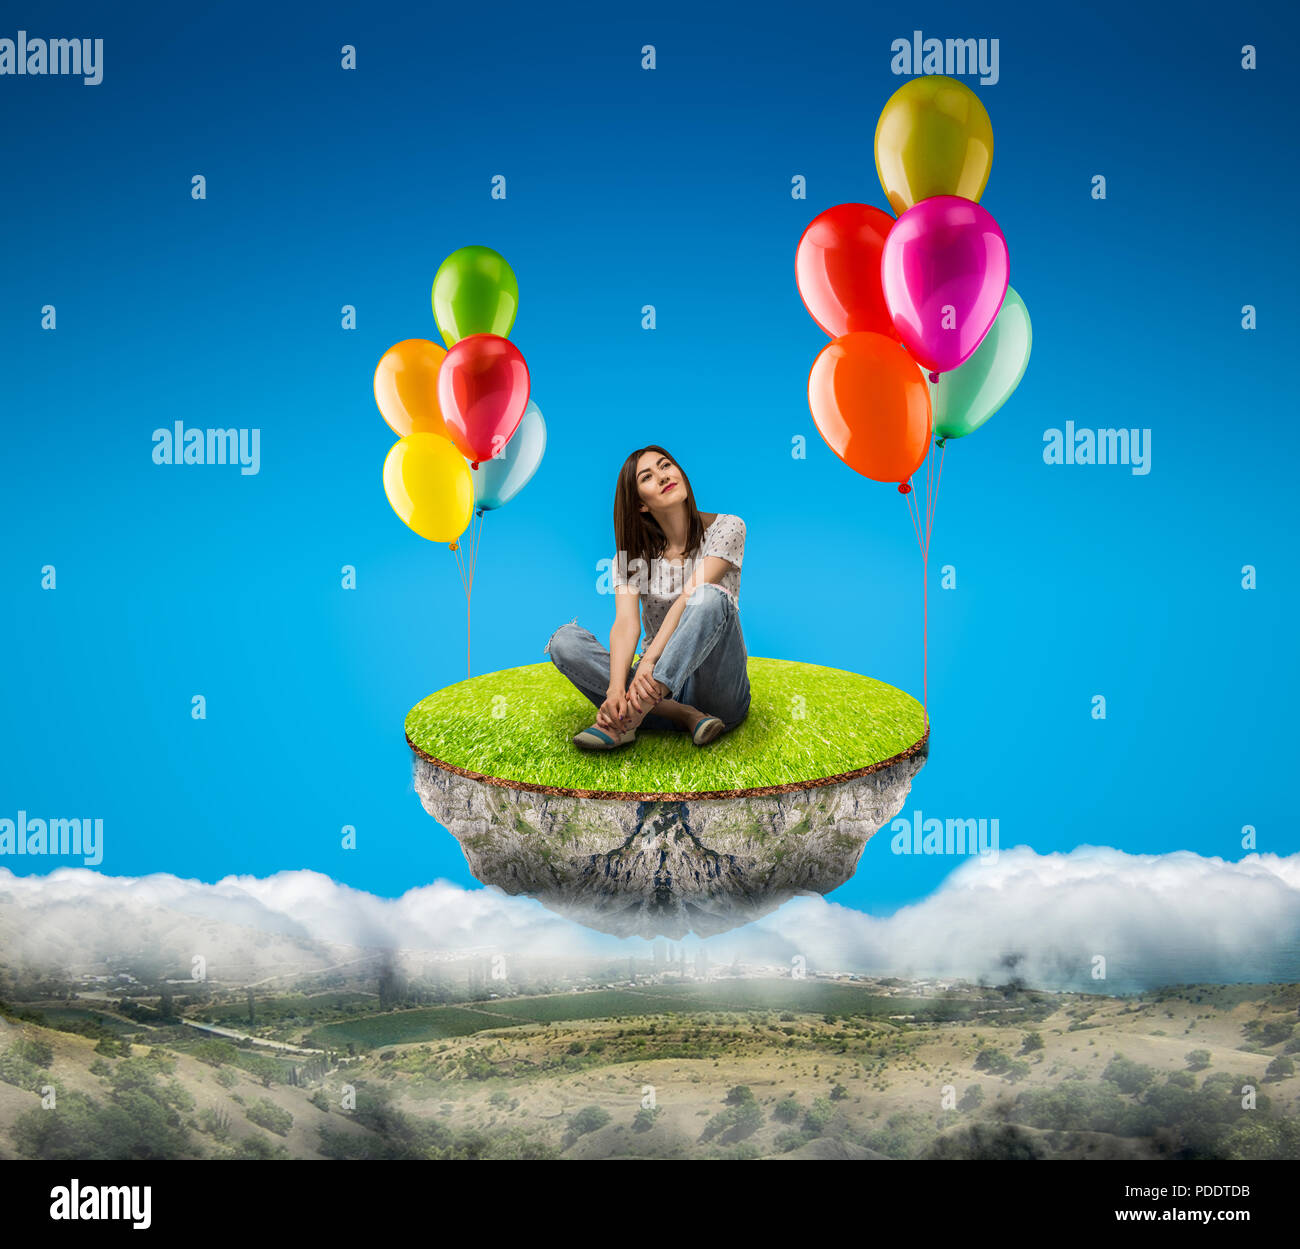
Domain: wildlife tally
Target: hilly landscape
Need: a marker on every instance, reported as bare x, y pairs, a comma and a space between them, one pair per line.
660, 1060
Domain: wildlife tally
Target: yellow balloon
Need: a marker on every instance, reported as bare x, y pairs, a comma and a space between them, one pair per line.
406, 387
934, 137
429, 485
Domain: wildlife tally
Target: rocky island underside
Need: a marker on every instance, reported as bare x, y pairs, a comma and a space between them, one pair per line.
666, 867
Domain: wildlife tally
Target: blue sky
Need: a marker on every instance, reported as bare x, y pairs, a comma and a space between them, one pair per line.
625, 187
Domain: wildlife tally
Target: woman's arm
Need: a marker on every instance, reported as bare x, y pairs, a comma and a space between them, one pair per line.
711, 568
623, 636
622, 642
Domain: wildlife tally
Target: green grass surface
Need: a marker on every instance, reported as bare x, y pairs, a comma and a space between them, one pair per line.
432, 1023
805, 723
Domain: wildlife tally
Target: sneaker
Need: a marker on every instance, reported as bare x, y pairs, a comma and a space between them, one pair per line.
707, 730
597, 739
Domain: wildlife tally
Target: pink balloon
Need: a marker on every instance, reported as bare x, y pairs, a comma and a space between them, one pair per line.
945, 270
482, 391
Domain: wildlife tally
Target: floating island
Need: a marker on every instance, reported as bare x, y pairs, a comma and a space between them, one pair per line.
661, 837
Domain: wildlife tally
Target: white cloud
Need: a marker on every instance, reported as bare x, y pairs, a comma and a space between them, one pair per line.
1155, 918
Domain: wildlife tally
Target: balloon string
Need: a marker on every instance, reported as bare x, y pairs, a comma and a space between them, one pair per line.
911, 511
932, 497
466, 585
469, 591
943, 450
925, 635
929, 494
923, 530
478, 534
933, 479
929, 477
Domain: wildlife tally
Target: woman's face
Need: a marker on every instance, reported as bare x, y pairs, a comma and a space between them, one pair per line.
659, 482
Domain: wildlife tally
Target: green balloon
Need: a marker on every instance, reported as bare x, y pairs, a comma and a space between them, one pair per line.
474, 292
961, 401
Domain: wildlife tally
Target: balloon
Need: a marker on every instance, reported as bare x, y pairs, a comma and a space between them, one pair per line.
502, 477
934, 137
406, 387
482, 390
474, 292
837, 269
429, 486
944, 270
871, 405
965, 398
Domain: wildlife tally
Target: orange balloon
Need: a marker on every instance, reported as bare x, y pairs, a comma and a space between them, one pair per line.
871, 405
406, 388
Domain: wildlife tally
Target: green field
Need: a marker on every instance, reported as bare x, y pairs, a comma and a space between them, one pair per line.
293, 1006
806, 997
596, 1004
58, 1016
405, 1027
817, 997
805, 723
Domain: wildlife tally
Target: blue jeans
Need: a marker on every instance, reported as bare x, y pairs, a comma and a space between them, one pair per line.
704, 665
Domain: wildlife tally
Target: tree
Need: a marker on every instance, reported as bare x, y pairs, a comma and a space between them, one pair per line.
1017, 1069
1033, 1041
265, 1069
787, 1110
214, 1053
1128, 1076
1197, 1060
747, 1118
35, 1051
742, 1118
588, 1119
266, 1114
1268, 1032
991, 1060
1004, 1142
1279, 1069
817, 1116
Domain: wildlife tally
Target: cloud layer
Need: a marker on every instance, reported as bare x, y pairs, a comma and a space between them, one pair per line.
1154, 919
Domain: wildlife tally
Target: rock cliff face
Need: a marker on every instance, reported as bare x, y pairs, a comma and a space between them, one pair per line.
663, 869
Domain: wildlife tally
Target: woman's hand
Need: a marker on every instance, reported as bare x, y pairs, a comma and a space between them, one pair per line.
612, 713
645, 691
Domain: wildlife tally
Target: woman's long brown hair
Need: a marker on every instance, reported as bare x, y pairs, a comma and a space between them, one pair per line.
636, 532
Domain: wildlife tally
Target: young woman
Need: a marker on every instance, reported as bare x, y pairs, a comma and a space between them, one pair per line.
676, 576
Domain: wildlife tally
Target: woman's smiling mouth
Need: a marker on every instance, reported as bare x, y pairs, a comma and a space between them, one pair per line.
668, 487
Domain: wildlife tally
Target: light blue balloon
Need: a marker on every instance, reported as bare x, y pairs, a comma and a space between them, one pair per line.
498, 480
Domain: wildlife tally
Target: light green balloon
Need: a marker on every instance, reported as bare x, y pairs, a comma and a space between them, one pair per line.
961, 401
474, 292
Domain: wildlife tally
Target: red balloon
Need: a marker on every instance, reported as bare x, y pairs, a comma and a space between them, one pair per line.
837, 268
871, 405
482, 391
